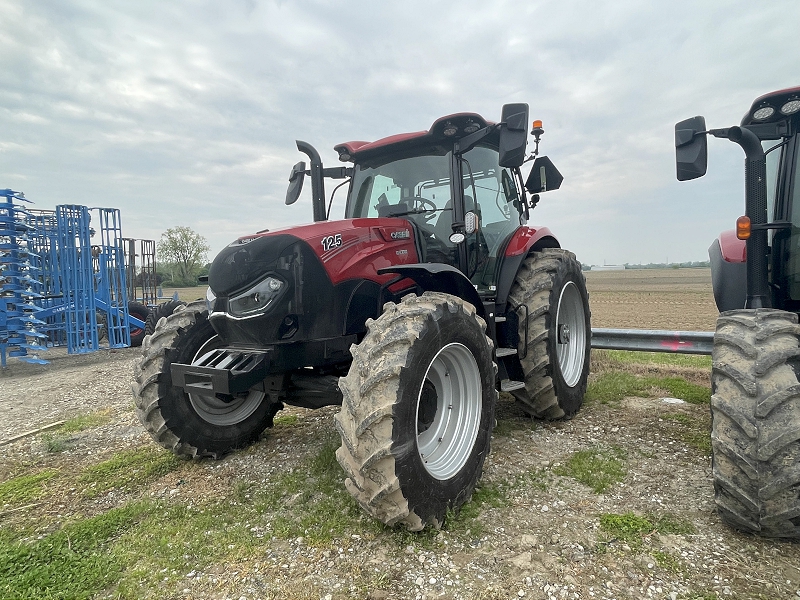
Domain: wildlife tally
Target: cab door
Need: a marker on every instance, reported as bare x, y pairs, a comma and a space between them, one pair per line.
490, 192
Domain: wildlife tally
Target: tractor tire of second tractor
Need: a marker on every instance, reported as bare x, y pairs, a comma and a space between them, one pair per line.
141, 312
162, 310
550, 292
755, 421
418, 410
193, 425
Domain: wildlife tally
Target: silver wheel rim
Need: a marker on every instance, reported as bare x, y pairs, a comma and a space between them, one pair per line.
570, 334
213, 410
447, 441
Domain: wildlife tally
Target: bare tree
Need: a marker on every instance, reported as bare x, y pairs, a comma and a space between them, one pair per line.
186, 249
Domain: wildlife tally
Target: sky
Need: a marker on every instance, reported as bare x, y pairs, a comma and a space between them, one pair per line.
185, 113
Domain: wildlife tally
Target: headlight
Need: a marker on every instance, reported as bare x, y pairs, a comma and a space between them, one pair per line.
256, 299
210, 298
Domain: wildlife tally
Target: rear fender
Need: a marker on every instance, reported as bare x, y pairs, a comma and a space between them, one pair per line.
728, 258
438, 277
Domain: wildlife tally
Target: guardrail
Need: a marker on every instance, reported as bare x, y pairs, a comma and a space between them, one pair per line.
653, 340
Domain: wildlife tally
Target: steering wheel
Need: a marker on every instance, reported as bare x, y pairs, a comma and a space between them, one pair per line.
425, 204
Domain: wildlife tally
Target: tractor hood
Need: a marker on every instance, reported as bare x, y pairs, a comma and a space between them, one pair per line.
347, 249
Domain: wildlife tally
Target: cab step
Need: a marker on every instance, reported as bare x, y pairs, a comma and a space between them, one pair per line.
505, 352
509, 385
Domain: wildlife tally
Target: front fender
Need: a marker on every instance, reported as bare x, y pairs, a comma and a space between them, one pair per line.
438, 277
728, 258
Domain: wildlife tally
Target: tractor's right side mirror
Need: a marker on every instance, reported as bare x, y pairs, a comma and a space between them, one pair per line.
691, 148
543, 176
513, 134
295, 182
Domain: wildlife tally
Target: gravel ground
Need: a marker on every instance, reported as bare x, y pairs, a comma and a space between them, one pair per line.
545, 542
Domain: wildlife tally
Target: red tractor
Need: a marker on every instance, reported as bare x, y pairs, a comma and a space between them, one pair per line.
412, 312
755, 404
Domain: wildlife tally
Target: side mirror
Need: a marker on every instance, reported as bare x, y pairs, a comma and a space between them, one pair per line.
543, 176
691, 148
513, 134
295, 182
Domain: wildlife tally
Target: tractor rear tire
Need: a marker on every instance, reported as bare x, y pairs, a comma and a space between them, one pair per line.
141, 312
192, 425
755, 421
162, 310
549, 294
418, 410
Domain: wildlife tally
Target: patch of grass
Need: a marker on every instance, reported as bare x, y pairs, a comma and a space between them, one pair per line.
597, 468
695, 431
127, 470
60, 440
680, 388
285, 421
466, 519
25, 488
82, 422
74, 562
654, 358
632, 528
611, 387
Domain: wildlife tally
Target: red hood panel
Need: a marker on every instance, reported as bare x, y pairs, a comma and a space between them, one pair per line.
356, 248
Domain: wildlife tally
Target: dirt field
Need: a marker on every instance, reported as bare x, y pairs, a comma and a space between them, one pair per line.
674, 299
533, 531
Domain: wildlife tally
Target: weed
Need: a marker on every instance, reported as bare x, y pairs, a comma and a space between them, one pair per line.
24, 488
666, 561
597, 468
127, 470
285, 421
56, 442
632, 528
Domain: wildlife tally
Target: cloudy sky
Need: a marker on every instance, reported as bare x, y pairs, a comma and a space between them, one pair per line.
186, 112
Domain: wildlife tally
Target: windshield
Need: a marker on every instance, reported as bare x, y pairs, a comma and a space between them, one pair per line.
416, 185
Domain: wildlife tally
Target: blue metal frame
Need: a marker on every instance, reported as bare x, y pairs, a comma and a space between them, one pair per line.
19, 288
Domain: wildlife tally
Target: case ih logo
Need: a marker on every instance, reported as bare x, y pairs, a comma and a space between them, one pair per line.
402, 234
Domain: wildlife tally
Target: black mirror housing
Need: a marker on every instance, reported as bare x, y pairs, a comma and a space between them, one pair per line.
543, 176
295, 182
691, 148
513, 134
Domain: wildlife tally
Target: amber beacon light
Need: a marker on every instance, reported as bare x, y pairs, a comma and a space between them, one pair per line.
743, 228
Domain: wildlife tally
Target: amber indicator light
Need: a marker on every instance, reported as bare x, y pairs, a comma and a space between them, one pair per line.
743, 228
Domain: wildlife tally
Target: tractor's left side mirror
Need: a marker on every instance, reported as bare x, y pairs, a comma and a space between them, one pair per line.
295, 182
513, 134
691, 148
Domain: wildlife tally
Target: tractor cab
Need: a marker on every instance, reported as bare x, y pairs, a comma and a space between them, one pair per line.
758, 263
462, 208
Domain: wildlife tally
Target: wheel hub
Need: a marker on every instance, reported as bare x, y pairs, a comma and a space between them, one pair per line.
449, 409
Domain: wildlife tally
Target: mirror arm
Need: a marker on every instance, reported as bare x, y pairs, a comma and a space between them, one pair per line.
466, 143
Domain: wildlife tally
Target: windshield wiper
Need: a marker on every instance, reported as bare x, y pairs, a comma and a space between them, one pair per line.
417, 211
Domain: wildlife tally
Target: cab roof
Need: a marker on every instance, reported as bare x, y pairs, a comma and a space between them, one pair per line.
444, 129
776, 101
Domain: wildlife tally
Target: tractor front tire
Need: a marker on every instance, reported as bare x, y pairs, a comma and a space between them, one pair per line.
192, 425
550, 297
755, 421
418, 410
